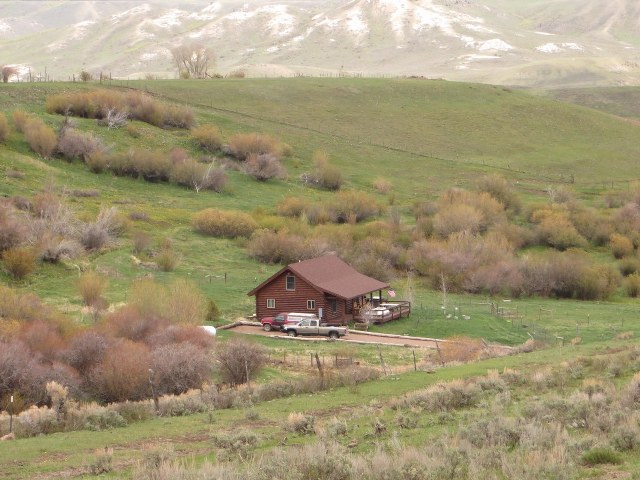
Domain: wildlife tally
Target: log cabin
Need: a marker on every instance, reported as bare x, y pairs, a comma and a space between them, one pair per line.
326, 286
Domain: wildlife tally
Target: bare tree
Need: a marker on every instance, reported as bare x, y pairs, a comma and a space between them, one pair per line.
8, 72
193, 59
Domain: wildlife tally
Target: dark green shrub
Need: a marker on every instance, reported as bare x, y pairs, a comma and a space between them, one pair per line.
600, 456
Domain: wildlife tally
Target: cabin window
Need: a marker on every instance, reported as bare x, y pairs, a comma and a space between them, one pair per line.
271, 303
291, 282
333, 305
311, 304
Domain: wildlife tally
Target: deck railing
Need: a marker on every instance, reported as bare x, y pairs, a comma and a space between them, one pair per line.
387, 311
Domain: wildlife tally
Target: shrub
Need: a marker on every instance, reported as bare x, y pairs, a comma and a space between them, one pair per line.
133, 322
177, 116
179, 367
133, 131
239, 360
19, 261
281, 247
382, 185
91, 286
208, 137
632, 285
457, 218
220, 223
185, 304
621, 246
40, 137
20, 371
141, 242
300, 423
324, 175
406, 419
498, 187
103, 461
102, 104
242, 145
196, 176
4, 128
123, 373
600, 456
352, 206
20, 118
85, 351
263, 167
625, 438
292, 206
556, 230
629, 265
83, 145
167, 260
107, 226
12, 230
98, 161
461, 349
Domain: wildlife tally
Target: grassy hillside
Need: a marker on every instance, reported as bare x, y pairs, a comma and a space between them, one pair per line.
423, 136
408, 128
620, 101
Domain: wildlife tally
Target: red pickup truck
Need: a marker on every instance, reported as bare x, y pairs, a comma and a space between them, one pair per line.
277, 322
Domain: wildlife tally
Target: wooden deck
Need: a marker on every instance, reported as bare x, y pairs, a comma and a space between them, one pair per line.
386, 312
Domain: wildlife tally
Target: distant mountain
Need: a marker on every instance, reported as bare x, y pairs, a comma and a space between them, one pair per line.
519, 42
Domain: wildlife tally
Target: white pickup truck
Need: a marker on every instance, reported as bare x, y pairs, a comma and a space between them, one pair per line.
313, 327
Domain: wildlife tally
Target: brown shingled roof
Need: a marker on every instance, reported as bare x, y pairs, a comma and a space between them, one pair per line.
332, 275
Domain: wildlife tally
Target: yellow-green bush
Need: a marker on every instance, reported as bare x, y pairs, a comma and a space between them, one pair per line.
221, 223
208, 137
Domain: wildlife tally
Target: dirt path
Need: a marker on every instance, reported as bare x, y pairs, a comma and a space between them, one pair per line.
354, 337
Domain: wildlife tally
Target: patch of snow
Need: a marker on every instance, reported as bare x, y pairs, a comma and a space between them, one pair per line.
273, 49
213, 30
329, 23
332, 40
478, 28
573, 46
495, 44
239, 16
207, 13
4, 27
78, 33
545, 33
148, 56
249, 50
356, 23
139, 10
475, 56
281, 22
169, 19
548, 48
299, 38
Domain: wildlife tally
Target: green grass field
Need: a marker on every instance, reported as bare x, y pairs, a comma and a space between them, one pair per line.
424, 136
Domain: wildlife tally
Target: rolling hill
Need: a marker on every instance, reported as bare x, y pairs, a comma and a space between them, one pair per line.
532, 43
